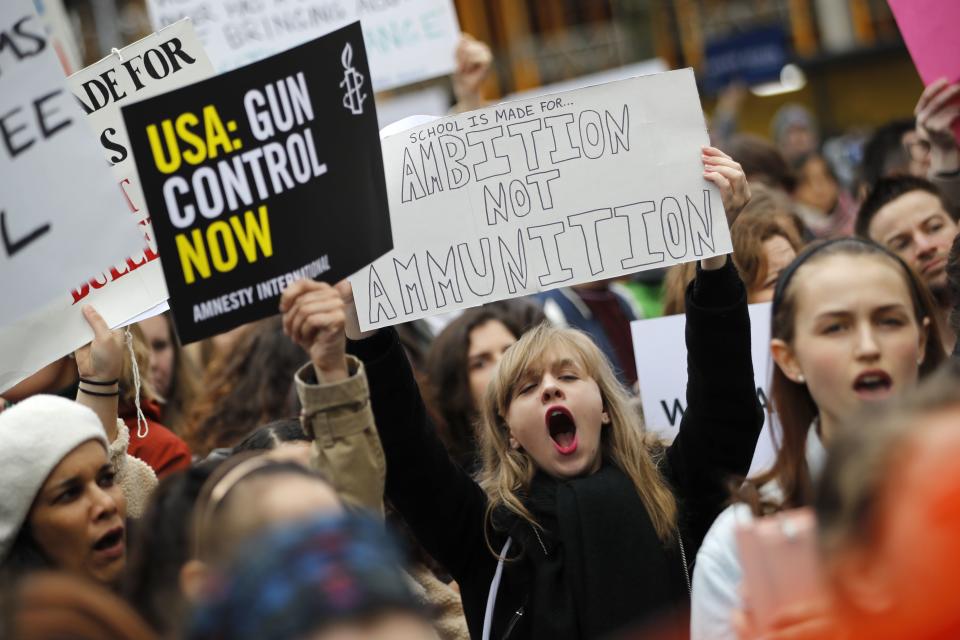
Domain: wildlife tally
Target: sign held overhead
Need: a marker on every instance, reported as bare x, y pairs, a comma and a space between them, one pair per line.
262, 176
542, 193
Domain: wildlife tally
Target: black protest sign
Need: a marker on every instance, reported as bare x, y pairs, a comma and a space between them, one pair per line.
262, 176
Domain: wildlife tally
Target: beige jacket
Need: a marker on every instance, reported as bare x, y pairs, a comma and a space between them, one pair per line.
346, 447
137, 480
347, 450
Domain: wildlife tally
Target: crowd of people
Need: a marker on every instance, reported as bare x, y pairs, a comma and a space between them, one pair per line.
493, 478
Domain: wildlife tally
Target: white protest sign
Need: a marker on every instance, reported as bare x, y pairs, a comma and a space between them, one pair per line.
61, 215
133, 288
168, 59
543, 193
407, 40
660, 350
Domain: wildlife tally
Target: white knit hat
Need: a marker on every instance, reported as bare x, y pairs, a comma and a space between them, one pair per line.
35, 435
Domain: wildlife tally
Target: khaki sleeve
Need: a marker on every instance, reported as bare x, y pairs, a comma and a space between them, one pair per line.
346, 448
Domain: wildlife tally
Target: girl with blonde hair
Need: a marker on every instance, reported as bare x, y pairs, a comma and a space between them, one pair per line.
579, 526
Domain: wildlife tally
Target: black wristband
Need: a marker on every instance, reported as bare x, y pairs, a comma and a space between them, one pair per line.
99, 393
100, 384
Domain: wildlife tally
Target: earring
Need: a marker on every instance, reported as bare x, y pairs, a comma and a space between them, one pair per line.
801, 379
604, 418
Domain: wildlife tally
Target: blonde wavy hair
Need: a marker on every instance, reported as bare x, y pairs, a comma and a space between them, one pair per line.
506, 473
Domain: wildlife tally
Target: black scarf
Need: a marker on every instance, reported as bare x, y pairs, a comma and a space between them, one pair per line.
597, 566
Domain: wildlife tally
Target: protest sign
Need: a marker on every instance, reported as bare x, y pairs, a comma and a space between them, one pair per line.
261, 176
659, 347
751, 57
134, 287
543, 193
929, 27
163, 61
61, 215
407, 40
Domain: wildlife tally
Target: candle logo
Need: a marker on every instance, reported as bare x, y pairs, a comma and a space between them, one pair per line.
352, 82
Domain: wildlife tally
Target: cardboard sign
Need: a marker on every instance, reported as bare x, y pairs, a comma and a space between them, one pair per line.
543, 193
163, 61
407, 40
61, 215
134, 287
929, 27
262, 176
661, 354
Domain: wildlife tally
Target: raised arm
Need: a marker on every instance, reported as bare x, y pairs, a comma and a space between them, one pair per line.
937, 111
719, 429
334, 397
99, 365
441, 503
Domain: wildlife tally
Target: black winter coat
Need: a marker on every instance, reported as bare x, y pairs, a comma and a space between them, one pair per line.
446, 509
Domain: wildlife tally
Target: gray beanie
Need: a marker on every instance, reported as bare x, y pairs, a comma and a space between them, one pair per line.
35, 435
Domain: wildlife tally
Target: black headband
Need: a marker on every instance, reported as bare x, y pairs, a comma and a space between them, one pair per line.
783, 281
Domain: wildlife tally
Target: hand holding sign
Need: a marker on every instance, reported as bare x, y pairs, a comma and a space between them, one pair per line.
102, 359
936, 112
314, 317
728, 175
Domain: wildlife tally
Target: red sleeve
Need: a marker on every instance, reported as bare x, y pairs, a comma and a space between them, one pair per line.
162, 449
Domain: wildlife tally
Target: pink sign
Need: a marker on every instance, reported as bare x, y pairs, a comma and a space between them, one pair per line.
929, 27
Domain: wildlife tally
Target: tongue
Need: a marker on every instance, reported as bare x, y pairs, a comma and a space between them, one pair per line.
564, 439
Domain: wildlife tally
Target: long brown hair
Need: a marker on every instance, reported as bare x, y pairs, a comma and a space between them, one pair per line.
246, 387
748, 233
507, 472
184, 383
448, 376
792, 402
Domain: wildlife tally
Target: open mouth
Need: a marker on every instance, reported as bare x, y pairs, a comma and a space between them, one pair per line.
562, 429
110, 543
871, 384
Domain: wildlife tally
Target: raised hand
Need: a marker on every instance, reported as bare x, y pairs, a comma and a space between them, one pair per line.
473, 60
936, 111
314, 318
728, 175
102, 359
100, 364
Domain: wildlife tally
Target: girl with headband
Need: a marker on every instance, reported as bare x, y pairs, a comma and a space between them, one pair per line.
851, 325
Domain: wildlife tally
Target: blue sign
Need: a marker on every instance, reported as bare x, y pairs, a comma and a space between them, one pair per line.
752, 57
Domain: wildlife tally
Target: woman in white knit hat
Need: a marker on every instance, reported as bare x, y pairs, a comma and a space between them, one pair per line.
66, 479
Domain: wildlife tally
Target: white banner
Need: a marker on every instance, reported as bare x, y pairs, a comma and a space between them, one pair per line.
61, 215
407, 40
660, 350
134, 287
543, 193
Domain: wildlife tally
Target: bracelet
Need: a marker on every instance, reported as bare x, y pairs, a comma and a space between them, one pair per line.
99, 383
101, 394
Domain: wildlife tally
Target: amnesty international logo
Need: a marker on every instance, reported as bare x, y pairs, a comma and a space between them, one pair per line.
352, 82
